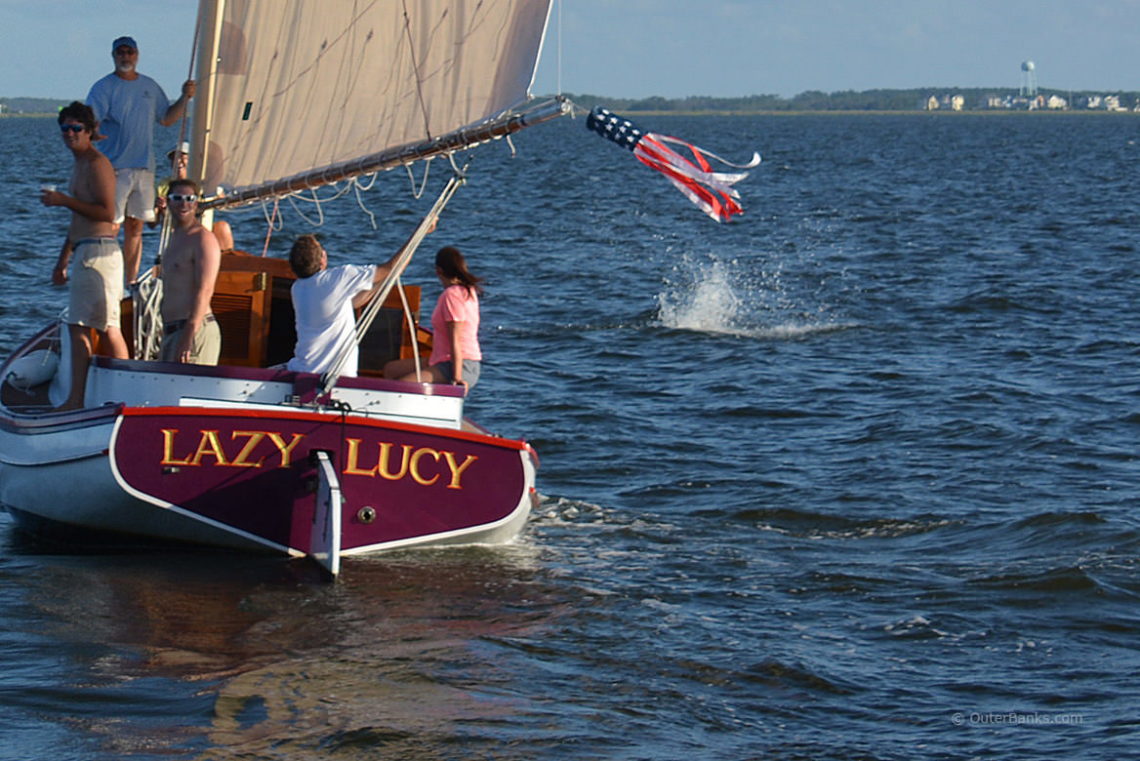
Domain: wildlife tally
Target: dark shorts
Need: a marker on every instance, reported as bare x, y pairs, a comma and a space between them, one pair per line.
471, 370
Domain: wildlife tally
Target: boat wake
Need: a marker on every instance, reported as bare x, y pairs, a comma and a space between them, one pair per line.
552, 510
722, 298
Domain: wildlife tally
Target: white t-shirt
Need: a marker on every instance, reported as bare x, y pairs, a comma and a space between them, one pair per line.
325, 321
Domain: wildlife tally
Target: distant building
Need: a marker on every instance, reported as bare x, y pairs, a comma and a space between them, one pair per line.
1028, 79
952, 102
1056, 103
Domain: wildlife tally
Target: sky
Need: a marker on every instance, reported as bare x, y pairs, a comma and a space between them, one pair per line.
670, 48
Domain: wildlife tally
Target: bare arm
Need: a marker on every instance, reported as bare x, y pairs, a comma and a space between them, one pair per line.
382, 270
453, 329
59, 274
178, 108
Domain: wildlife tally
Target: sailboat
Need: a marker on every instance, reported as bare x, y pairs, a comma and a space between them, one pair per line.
293, 96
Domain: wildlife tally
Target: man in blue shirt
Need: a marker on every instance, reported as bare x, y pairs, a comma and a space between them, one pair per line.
127, 105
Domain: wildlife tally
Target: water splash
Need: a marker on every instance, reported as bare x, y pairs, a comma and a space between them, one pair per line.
708, 303
724, 297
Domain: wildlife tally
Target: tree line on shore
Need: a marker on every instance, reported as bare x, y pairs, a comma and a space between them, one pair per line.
13, 106
974, 98
916, 99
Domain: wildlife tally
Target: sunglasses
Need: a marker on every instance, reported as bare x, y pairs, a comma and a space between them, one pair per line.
71, 128
179, 198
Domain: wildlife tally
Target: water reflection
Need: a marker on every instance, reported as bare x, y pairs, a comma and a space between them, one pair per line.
398, 653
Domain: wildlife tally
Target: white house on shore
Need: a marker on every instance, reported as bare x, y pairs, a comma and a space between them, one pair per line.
951, 102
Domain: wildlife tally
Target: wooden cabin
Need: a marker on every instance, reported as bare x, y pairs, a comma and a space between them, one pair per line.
254, 310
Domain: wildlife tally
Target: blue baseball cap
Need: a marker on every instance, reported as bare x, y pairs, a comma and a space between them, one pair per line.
124, 42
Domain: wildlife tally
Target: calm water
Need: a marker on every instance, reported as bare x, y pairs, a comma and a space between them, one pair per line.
852, 478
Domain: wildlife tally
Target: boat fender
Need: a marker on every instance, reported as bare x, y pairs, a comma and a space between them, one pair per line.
32, 369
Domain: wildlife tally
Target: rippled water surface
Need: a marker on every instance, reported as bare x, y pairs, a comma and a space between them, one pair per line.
851, 478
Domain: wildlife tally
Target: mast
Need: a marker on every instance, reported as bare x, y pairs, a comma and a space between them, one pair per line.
210, 15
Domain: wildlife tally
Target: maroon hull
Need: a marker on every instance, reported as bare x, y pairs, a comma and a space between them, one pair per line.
253, 472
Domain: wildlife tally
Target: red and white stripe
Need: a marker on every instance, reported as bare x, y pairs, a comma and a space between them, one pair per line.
709, 190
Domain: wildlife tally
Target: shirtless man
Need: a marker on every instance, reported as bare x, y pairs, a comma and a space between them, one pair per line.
189, 270
96, 279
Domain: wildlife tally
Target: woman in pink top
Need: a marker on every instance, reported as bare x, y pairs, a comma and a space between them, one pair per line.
455, 354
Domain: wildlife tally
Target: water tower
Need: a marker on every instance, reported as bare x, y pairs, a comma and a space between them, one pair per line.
1029, 79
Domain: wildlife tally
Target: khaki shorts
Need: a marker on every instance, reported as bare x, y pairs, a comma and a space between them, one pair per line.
204, 349
96, 283
134, 195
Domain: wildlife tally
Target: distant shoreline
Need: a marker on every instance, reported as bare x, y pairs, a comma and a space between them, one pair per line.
634, 114
885, 112
919, 100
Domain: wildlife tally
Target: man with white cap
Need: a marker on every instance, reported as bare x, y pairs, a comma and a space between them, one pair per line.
177, 159
127, 105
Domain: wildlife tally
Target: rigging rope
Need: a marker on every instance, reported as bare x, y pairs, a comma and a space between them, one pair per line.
183, 121
294, 197
272, 224
418, 194
146, 295
365, 209
147, 299
371, 176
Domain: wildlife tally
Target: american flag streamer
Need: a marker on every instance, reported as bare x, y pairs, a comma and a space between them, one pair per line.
711, 191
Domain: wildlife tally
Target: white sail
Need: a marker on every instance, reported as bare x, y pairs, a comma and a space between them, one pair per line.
299, 87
